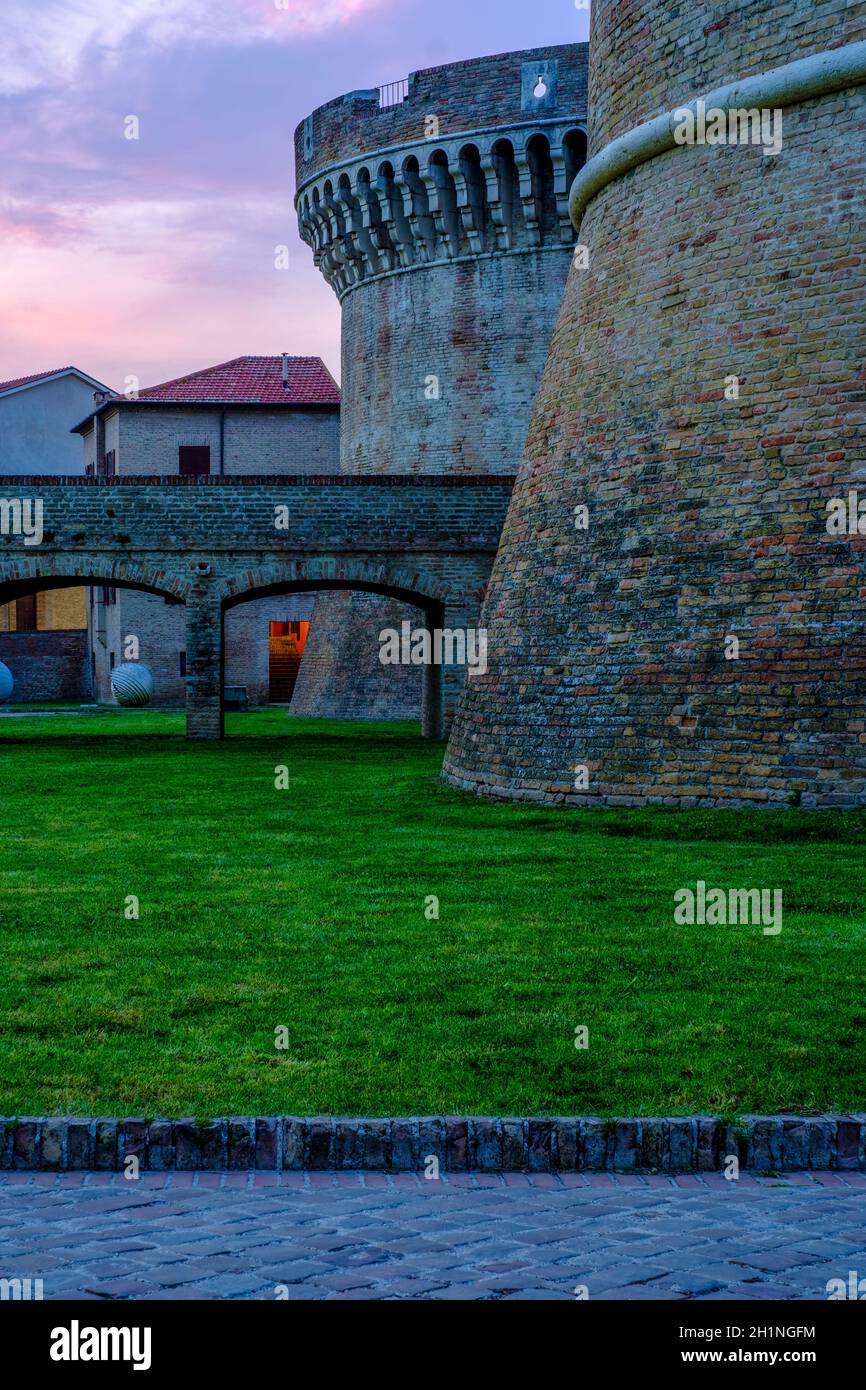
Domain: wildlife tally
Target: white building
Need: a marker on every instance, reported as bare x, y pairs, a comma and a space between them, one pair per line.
43, 636
37, 414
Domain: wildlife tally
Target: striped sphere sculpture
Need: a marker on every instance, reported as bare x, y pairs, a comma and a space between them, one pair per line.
132, 684
7, 684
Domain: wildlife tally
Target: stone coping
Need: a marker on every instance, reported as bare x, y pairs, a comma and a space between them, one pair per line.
459, 1143
15, 482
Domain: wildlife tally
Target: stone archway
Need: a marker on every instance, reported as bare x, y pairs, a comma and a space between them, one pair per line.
64, 627
355, 576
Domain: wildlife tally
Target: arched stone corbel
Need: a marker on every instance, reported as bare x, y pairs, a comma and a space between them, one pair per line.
469, 210
561, 190
355, 241
499, 210
391, 200
381, 248
527, 197
417, 212
441, 196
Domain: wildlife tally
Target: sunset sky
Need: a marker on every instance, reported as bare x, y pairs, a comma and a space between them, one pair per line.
156, 257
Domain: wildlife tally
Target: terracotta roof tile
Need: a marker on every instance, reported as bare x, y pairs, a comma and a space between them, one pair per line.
253, 381
36, 376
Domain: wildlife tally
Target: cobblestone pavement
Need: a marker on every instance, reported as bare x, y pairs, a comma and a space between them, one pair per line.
369, 1235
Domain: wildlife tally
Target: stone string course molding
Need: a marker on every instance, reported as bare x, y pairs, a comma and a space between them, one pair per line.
484, 1144
818, 75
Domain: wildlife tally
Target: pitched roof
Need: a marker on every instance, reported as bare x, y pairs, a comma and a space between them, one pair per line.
253, 381
17, 383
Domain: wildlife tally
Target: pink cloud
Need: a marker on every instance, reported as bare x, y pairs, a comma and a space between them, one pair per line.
48, 43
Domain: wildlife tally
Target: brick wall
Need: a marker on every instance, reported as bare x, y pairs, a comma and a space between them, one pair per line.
341, 676
46, 665
177, 518
649, 56
482, 329
255, 441
707, 515
59, 609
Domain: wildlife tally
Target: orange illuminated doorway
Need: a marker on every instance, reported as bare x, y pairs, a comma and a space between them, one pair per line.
287, 642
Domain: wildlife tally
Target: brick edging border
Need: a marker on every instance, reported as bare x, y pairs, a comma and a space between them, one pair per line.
284, 1143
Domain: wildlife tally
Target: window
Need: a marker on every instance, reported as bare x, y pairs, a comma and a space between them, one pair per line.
182, 659
110, 470
109, 595
193, 460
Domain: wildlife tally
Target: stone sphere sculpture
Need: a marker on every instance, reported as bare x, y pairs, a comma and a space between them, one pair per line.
132, 684
6, 682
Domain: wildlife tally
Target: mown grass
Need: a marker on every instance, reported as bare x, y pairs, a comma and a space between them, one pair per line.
306, 908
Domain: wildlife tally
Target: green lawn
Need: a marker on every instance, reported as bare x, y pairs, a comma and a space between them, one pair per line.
305, 908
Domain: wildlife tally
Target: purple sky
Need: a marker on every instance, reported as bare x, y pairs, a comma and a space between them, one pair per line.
156, 257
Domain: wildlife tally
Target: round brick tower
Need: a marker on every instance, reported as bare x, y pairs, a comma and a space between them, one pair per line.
676, 610
437, 210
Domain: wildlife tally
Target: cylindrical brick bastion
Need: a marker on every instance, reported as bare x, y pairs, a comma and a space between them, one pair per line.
676, 610
437, 210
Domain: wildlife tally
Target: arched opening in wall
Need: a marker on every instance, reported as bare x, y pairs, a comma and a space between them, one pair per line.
508, 186
264, 643
574, 154
63, 638
476, 214
363, 654
543, 188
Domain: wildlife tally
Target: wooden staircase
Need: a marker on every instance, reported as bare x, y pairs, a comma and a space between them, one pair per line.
287, 642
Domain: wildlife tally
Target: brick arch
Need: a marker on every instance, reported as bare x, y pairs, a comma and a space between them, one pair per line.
347, 573
70, 571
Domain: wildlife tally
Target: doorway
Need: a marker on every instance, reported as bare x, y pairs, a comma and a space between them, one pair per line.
286, 647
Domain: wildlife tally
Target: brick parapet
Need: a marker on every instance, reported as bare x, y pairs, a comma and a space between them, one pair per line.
479, 93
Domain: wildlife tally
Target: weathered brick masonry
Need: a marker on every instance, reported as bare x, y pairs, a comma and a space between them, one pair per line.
47, 665
707, 515
213, 543
441, 222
